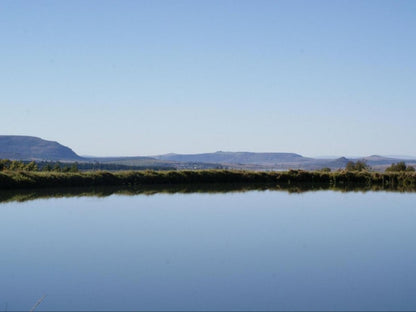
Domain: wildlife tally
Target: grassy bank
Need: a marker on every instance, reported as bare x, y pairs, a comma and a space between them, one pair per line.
292, 178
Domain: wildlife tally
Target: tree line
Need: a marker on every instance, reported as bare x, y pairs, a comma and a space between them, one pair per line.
361, 165
18, 165
400, 166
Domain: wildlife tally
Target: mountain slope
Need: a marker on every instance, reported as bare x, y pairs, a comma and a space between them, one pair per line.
33, 148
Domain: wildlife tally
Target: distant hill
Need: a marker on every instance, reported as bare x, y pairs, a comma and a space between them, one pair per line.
236, 158
152, 163
277, 161
381, 160
133, 161
380, 163
256, 161
33, 148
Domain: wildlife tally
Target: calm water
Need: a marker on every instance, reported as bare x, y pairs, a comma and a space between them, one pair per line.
236, 251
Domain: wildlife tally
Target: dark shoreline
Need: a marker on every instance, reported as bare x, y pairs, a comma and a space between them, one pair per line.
404, 181
32, 179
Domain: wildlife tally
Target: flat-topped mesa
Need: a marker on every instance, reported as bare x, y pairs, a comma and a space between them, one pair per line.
236, 157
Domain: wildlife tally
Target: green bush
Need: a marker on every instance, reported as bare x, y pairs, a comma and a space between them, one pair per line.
359, 165
400, 167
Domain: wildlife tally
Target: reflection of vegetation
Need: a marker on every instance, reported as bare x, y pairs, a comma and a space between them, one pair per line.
34, 185
27, 195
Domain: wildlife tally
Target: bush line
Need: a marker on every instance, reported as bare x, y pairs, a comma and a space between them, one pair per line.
28, 179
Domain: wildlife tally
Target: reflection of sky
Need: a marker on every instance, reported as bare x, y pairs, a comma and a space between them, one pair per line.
255, 251
148, 77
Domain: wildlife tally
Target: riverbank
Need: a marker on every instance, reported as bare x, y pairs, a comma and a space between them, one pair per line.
27, 179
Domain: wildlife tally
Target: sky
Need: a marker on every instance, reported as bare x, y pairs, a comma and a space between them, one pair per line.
112, 78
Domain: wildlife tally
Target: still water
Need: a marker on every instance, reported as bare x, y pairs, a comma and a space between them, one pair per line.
256, 250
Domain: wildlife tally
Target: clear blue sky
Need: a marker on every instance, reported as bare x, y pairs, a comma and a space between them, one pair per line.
150, 77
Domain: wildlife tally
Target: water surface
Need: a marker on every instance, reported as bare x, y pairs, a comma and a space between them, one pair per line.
256, 250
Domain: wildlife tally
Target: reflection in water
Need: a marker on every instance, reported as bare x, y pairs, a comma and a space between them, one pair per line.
240, 251
32, 194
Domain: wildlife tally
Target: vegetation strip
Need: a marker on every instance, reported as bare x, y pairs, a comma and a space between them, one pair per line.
33, 179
